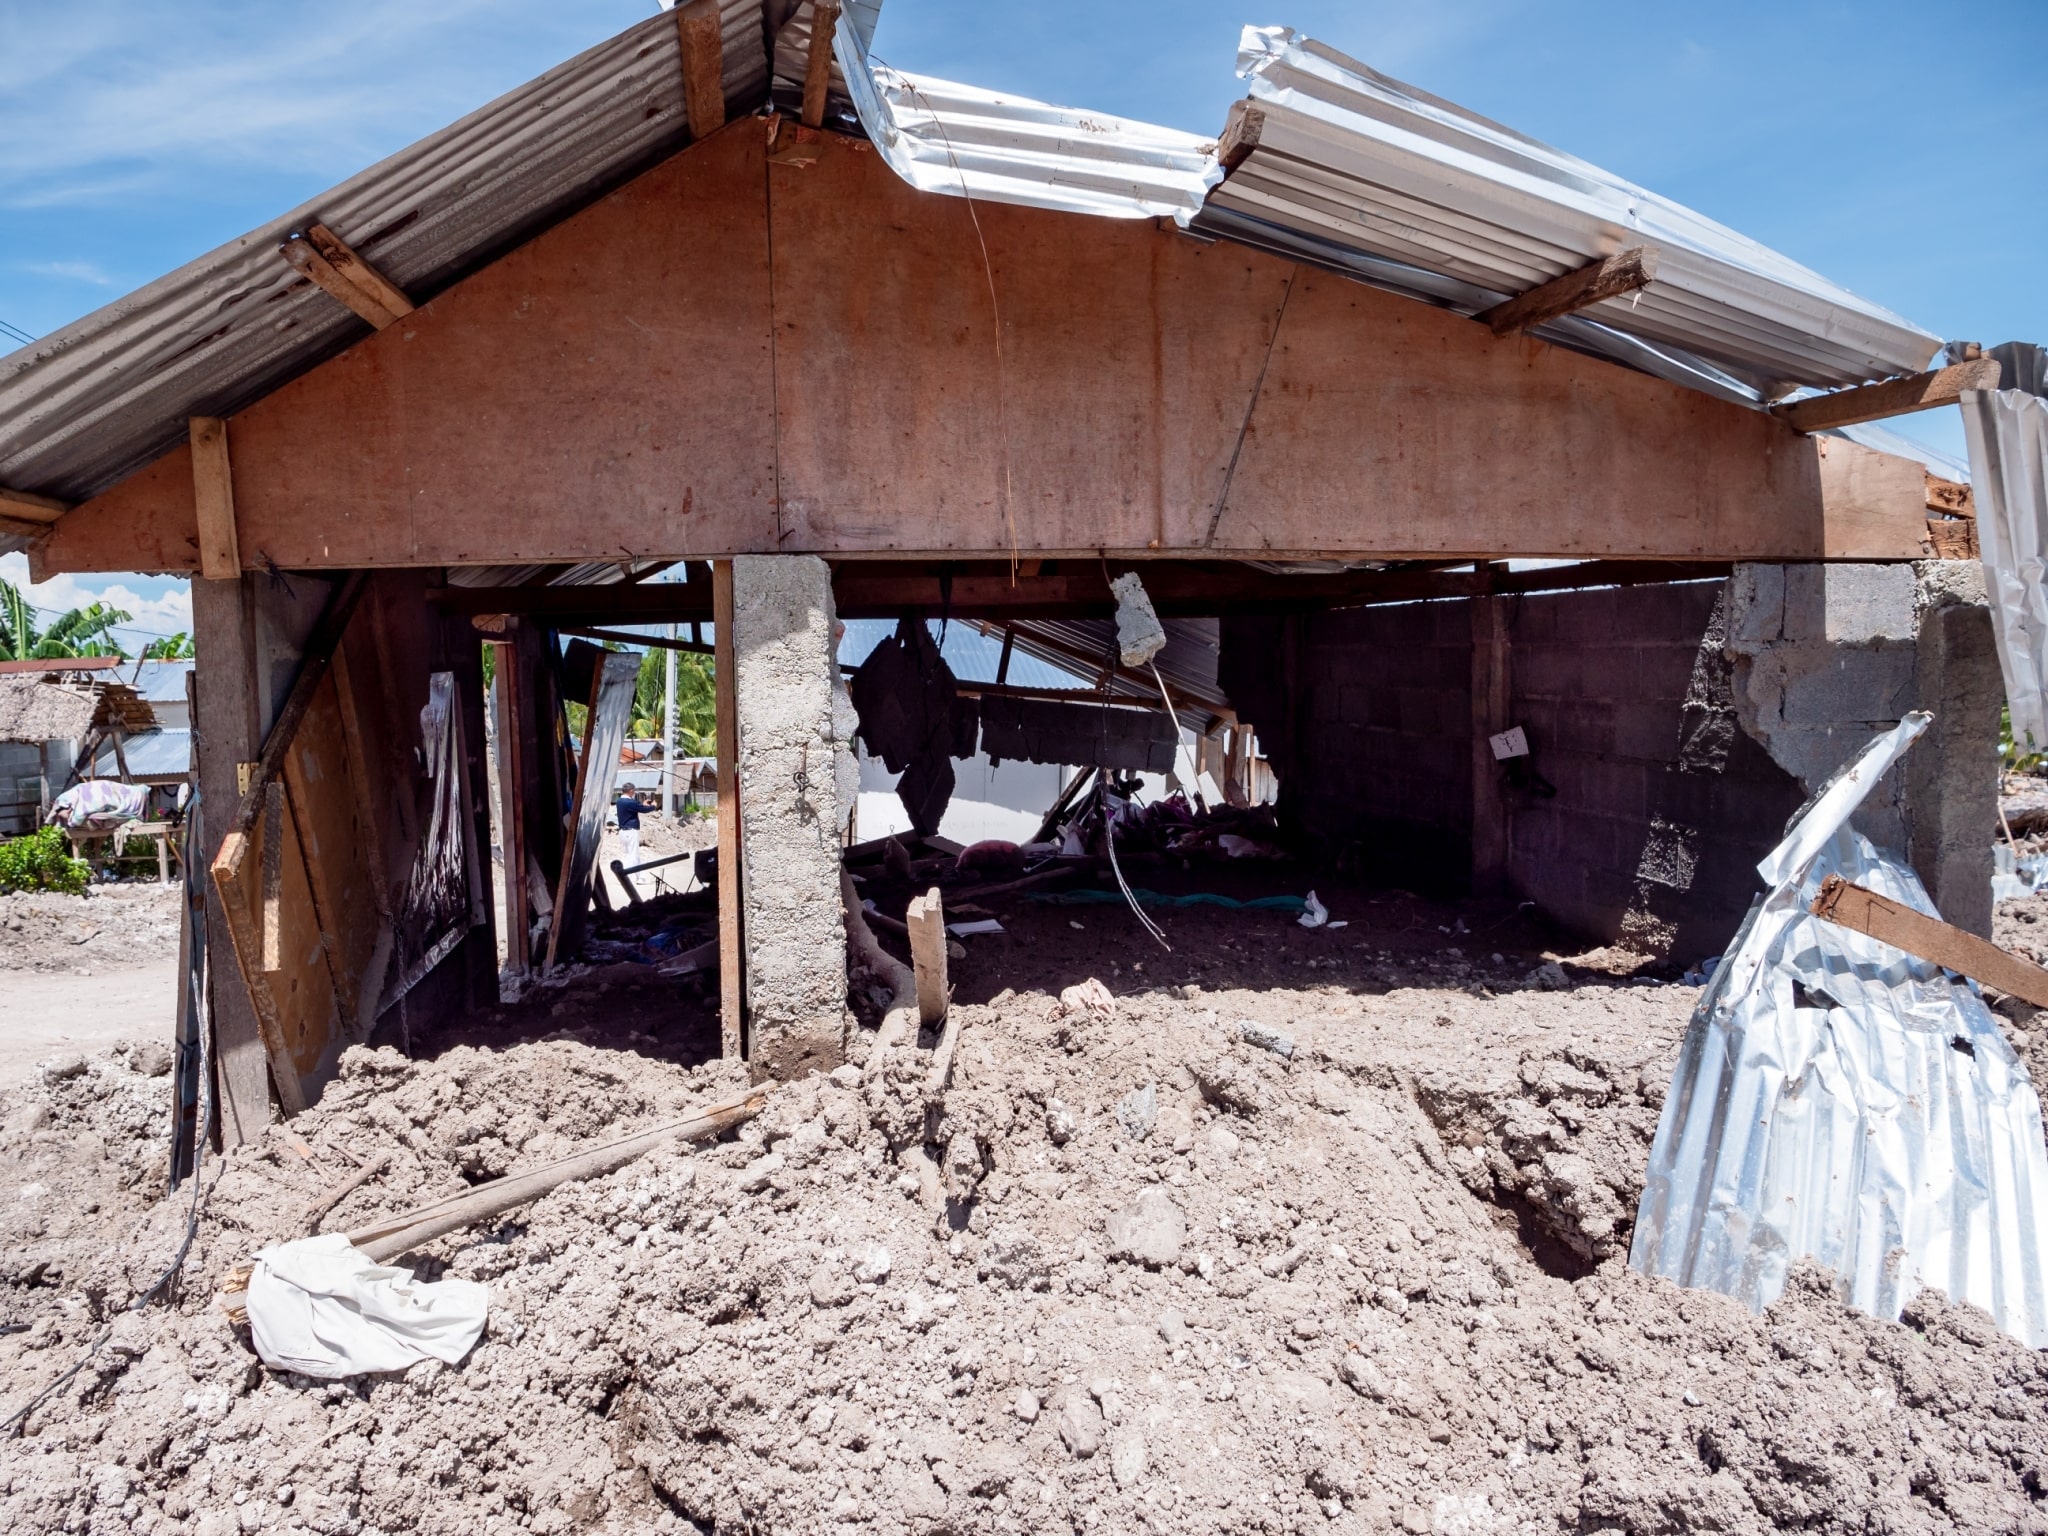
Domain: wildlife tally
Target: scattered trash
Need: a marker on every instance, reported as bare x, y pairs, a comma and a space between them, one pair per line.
1839, 1099
1090, 897
1266, 1038
321, 1307
978, 925
1703, 973
1089, 996
1315, 915
2015, 876
1239, 847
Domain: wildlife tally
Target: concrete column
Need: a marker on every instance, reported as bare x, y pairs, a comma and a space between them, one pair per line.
1826, 656
1952, 772
795, 760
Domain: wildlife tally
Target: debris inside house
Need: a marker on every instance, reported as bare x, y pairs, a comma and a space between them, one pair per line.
1168, 995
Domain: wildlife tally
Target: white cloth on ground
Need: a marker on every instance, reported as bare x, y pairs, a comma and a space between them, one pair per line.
321, 1307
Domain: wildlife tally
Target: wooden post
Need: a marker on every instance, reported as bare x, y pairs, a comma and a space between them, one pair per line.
1489, 716
511, 800
926, 921
731, 953
213, 499
224, 721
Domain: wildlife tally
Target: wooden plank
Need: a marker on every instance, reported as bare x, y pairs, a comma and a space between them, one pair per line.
1605, 278
1876, 502
731, 954
1490, 693
21, 507
23, 528
353, 269
1892, 922
307, 260
925, 923
224, 735
1950, 498
882, 424
272, 844
1953, 538
604, 730
375, 867
1891, 397
818, 63
213, 499
698, 30
506, 703
238, 877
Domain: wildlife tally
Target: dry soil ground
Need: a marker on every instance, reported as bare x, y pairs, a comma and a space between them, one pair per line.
1130, 1272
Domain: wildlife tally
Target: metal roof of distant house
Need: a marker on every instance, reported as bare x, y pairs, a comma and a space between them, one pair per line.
1352, 170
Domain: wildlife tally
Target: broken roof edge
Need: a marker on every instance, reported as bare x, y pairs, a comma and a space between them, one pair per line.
964, 141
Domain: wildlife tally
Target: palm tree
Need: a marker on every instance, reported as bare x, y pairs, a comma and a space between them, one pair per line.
176, 647
696, 702
87, 631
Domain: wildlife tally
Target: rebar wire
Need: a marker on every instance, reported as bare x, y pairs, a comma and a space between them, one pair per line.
1109, 842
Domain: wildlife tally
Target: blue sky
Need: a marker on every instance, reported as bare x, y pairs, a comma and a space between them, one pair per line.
1897, 148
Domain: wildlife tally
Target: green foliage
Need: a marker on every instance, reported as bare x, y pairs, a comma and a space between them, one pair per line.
2015, 757
696, 702
41, 862
85, 631
177, 647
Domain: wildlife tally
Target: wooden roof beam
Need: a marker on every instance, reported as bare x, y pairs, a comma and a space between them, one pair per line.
34, 513
1607, 278
324, 258
697, 26
818, 66
1891, 397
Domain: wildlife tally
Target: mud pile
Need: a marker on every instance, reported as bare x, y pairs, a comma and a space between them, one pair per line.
1356, 1267
117, 926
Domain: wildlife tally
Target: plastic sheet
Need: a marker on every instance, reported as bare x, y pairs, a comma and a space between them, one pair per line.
321, 1307
1839, 1099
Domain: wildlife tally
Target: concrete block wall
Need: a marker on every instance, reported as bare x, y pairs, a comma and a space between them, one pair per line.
1663, 805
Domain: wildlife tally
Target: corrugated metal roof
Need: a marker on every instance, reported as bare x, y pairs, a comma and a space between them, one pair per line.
1431, 199
163, 753
793, 52
158, 682
941, 136
1187, 664
972, 653
92, 402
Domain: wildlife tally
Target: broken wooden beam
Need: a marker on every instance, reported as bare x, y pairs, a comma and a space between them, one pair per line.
1929, 938
213, 499
818, 65
703, 44
343, 258
1890, 397
1606, 278
925, 923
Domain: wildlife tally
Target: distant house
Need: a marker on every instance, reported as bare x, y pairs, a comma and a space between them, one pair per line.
163, 753
64, 720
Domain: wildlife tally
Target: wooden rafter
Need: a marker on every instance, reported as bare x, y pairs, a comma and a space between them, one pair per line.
1607, 278
1891, 397
21, 507
326, 260
697, 26
22, 528
818, 66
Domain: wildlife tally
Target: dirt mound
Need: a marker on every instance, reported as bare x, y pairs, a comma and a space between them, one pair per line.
110, 928
1223, 1262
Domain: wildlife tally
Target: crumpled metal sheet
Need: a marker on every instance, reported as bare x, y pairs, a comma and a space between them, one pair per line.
2007, 430
941, 136
1841, 1100
1359, 161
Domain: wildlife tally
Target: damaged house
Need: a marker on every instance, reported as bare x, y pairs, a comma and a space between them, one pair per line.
1512, 529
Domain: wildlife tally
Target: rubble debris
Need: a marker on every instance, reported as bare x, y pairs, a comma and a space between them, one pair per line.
656, 1359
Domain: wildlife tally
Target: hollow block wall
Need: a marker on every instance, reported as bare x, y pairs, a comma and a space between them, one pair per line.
1650, 712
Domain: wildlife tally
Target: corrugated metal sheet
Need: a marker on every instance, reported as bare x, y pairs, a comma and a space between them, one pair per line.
1841, 1100
2007, 430
1429, 198
158, 682
159, 754
1187, 664
90, 403
941, 136
972, 653
793, 53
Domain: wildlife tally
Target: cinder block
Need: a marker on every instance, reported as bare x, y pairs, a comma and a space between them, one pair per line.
1756, 607
1648, 732
1831, 685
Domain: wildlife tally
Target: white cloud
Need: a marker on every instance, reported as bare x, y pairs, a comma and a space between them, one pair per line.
76, 271
167, 614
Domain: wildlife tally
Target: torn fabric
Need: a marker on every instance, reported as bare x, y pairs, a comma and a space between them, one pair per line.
323, 1308
2007, 429
1841, 1100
